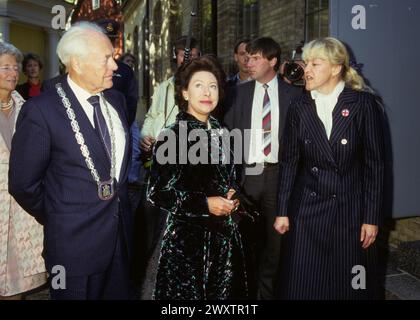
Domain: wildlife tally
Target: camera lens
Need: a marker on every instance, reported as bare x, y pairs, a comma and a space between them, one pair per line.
293, 71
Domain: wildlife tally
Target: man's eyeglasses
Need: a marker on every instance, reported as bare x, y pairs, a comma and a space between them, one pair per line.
9, 69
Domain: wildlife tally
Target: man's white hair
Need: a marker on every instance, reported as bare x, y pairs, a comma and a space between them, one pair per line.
75, 41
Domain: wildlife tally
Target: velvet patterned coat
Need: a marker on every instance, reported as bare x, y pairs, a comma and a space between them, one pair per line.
201, 255
328, 188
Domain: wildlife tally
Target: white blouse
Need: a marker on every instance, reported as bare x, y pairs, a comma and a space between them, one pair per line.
325, 104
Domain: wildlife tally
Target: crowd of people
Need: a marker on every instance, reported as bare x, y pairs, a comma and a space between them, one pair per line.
239, 187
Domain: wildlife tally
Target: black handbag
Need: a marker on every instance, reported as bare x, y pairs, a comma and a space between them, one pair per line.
246, 210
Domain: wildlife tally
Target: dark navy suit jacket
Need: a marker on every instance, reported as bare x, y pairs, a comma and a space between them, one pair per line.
125, 81
239, 109
49, 178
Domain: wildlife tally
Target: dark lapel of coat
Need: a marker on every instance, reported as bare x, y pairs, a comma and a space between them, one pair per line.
284, 102
343, 113
92, 140
116, 104
315, 127
247, 100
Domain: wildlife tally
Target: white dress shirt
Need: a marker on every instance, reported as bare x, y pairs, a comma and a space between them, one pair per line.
256, 152
120, 138
325, 104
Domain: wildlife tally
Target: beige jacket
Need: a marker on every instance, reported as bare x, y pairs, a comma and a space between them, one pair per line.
22, 267
154, 121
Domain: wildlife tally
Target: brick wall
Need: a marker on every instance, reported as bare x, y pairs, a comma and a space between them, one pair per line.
226, 32
284, 21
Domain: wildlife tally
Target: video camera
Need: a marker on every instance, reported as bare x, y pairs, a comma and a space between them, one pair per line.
294, 71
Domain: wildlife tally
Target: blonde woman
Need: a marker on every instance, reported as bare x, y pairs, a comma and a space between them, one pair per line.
22, 267
331, 182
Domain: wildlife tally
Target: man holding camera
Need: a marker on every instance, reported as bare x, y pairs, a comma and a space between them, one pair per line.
293, 71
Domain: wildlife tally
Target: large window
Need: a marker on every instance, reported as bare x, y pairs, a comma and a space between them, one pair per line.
317, 19
248, 18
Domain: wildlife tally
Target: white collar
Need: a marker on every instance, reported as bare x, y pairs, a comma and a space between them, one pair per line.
79, 92
316, 95
271, 84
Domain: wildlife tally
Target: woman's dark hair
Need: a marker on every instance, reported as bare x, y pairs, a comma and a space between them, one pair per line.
184, 74
31, 56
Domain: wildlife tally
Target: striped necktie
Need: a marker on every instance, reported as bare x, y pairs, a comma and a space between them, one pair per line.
266, 122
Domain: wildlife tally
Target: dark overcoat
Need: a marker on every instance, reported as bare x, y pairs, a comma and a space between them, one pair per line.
328, 188
201, 255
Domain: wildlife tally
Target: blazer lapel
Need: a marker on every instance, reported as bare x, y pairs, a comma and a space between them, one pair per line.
284, 103
123, 118
316, 127
247, 100
343, 114
92, 140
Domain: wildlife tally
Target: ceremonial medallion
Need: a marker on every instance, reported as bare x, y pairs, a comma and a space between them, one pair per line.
106, 190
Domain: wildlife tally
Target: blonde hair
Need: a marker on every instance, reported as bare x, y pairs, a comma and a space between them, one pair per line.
334, 51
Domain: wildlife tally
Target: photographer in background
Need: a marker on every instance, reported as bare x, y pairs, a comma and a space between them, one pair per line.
292, 71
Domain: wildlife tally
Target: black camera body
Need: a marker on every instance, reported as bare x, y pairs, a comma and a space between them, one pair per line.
293, 71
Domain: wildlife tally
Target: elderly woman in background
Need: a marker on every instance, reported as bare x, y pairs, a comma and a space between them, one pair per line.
21, 264
201, 255
32, 66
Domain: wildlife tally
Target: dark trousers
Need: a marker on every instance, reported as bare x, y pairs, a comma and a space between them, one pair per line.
263, 190
113, 284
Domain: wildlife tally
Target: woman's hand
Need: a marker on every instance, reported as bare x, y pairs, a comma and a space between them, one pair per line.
368, 235
229, 196
281, 224
146, 143
230, 193
220, 206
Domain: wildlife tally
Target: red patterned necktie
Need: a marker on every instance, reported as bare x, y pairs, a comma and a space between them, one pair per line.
266, 122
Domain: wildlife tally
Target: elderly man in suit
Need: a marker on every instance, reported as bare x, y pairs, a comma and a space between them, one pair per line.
68, 169
259, 107
124, 79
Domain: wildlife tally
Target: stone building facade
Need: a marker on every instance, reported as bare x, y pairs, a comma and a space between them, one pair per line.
28, 25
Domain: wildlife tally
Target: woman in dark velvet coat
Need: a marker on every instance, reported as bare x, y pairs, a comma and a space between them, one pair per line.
331, 182
201, 255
